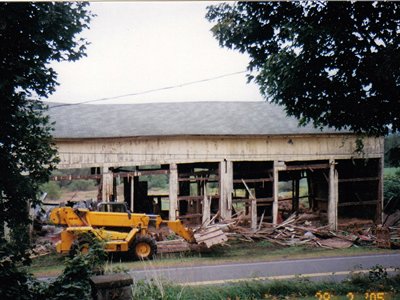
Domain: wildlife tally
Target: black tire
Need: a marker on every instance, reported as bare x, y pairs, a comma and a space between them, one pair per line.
143, 248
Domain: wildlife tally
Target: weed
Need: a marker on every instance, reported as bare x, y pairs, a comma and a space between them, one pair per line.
298, 288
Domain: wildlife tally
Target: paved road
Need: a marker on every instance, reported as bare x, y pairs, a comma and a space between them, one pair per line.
318, 268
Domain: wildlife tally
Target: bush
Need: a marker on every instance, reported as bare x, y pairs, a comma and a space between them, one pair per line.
52, 189
81, 185
73, 283
392, 191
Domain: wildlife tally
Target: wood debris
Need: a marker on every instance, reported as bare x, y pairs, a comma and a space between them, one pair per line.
210, 236
172, 246
300, 230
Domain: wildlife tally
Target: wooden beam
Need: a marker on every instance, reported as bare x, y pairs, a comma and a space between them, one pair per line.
307, 167
360, 179
116, 174
358, 203
206, 207
253, 207
226, 188
198, 179
194, 198
261, 200
173, 191
332, 197
379, 207
132, 203
254, 180
275, 205
107, 184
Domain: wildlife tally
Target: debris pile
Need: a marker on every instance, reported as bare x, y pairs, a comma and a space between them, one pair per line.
299, 230
41, 249
303, 229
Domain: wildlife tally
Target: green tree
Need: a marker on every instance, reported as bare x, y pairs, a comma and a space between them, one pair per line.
334, 64
392, 150
31, 36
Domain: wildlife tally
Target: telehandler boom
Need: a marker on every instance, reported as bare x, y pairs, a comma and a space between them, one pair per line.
121, 231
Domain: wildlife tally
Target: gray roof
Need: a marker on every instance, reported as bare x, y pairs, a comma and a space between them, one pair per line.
172, 119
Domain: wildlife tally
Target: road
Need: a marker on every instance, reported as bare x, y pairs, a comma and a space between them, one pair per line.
336, 268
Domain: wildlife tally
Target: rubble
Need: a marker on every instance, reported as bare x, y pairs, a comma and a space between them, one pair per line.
302, 229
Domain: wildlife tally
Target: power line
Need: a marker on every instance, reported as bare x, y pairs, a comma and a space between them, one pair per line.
151, 91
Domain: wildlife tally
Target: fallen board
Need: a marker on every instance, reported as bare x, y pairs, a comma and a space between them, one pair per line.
210, 236
172, 246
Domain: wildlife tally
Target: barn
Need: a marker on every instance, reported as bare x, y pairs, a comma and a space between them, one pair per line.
220, 158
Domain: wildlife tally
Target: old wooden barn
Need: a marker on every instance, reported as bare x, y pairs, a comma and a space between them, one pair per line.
220, 157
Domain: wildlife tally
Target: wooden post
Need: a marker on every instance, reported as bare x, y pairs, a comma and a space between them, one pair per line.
132, 200
226, 188
333, 195
253, 207
295, 194
275, 204
107, 184
206, 206
379, 205
253, 213
173, 191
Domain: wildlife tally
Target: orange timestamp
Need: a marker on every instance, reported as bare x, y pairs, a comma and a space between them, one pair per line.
321, 295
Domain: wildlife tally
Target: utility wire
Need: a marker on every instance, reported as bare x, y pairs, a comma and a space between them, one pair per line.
150, 91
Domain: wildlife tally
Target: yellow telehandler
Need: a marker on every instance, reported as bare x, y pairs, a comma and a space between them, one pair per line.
121, 231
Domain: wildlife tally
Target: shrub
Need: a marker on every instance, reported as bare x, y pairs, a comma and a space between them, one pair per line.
392, 191
52, 189
81, 185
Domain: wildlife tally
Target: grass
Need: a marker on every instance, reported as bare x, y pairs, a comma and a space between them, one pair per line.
355, 287
236, 252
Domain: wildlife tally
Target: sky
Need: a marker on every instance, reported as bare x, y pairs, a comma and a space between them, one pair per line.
141, 46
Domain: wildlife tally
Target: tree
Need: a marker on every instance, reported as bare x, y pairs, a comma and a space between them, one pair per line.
31, 36
334, 64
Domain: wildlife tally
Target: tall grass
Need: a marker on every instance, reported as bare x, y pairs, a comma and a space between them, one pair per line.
376, 280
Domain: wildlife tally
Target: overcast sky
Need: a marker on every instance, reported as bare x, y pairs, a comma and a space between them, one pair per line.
141, 46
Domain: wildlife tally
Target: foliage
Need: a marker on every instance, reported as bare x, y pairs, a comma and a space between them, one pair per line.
335, 64
52, 189
392, 150
156, 181
74, 282
32, 35
391, 192
81, 185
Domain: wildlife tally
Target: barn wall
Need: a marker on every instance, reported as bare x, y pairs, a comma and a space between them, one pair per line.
165, 150
273, 157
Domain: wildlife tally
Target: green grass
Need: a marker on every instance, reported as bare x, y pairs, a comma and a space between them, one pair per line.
386, 288
235, 252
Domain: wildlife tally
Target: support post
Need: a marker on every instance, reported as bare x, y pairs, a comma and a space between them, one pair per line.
226, 188
206, 206
173, 191
253, 207
333, 195
379, 206
275, 204
132, 201
253, 214
107, 184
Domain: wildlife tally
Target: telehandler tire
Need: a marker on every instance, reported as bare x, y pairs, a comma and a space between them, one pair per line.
81, 245
143, 248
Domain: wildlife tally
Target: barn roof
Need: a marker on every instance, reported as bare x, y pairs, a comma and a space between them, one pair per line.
172, 119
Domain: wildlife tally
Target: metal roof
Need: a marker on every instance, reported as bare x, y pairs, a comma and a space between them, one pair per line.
174, 119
